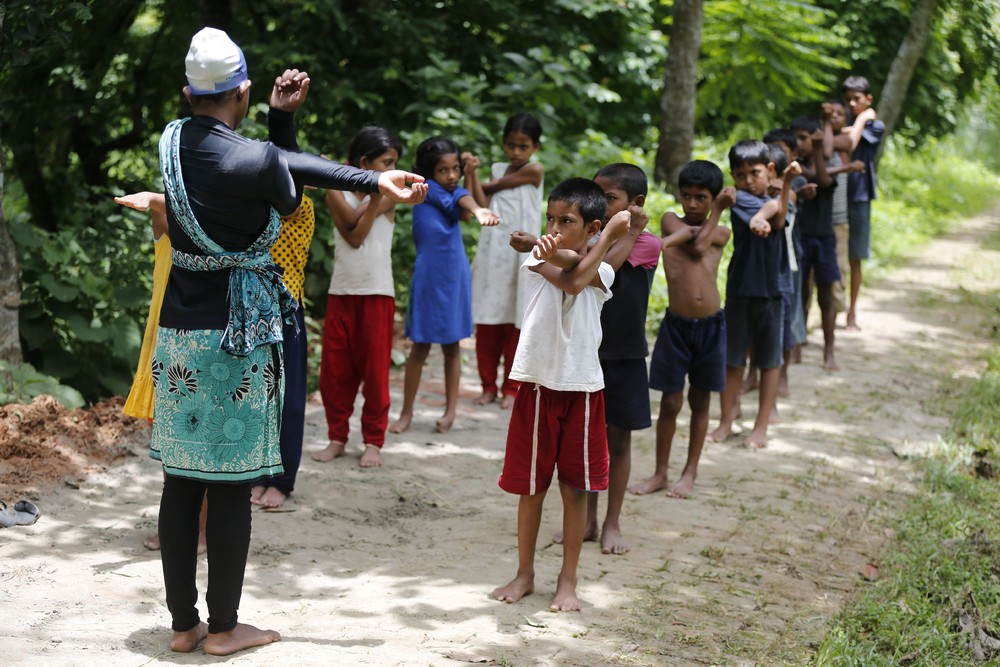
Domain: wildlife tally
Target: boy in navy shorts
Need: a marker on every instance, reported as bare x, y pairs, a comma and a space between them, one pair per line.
692, 337
758, 278
557, 422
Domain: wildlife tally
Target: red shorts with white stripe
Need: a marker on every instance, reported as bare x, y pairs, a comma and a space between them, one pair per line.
551, 430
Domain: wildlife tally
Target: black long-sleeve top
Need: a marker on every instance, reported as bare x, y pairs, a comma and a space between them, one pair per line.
232, 182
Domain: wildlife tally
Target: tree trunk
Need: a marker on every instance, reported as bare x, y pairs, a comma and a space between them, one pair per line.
911, 50
679, 89
10, 284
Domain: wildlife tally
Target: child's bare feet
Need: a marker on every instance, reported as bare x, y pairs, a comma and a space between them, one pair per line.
443, 425
241, 637
508, 402
683, 487
519, 586
372, 458
612, 541
651, 485
756, 440
829, 363
485, 398
565, 598
255, 494
783, 391
721, 434
332, 451
774, 417
796, 354
852, 323
272, 499
187, 641
589, 535
401, 424
152, 542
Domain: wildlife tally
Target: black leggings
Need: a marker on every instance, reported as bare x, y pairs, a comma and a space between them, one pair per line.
228, 535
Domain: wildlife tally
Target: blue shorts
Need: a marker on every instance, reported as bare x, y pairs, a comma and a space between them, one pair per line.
819, 255
626, 394
798, 335
859, 219
689, 347
756, 321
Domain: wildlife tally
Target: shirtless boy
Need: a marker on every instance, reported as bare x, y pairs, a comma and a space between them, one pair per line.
692, 337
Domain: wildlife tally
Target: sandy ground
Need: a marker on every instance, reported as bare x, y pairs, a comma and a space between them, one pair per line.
394, 566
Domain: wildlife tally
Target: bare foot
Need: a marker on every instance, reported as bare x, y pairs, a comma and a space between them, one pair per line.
720, 434
683, 487
612, 541
589, 535
756, 440
443, 425
829, 363
152, 542
508, 402
272, 498
565, 598
783, 391
797, 354
651, 485
241, 637
486, 398
774, 417
255, 494
401, 424
518, 587
332, 451
852, 324
187, 641
749, 382
372, 458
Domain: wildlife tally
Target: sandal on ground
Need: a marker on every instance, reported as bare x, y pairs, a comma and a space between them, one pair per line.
25, 513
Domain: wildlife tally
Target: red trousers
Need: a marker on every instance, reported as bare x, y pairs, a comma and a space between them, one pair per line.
357, 348
492, 341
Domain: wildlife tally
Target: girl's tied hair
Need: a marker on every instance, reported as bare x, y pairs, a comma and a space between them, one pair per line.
430, 151
370, 142
526, 124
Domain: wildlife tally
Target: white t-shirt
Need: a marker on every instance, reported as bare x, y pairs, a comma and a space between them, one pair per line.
561, 333
368, 269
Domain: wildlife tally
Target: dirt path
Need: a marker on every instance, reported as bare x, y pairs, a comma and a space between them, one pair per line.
394, 567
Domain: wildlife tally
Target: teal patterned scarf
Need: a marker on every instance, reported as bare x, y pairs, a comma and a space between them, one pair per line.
258, 300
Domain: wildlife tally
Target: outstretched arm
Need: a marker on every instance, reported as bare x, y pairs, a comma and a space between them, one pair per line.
154, 202
483, 215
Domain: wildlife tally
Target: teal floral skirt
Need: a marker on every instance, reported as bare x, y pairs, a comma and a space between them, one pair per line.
217, 416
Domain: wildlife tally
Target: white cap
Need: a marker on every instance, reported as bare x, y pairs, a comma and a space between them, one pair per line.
214, 64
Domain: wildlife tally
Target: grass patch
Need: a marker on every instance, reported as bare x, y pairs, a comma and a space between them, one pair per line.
937, 599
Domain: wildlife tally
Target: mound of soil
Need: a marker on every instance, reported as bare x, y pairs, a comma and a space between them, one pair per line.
42, 443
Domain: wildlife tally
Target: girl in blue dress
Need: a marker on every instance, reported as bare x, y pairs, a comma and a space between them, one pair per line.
440, 308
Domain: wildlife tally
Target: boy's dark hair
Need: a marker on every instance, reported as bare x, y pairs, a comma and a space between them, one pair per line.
779, 157
749, 151
430, 151
806, 123
856, 84
524, 123
628, 177
839, 102
587, 195
701, 174
781, 134
370, 142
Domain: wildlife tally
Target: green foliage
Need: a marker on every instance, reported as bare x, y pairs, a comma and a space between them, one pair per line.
19, 383
760, 59
85, 292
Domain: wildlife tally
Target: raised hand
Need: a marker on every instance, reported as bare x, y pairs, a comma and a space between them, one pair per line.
141, 201
726, 198
639, 219
791, 171
522, 241
470, 162
290, 90
402, 187
618, 225
546, 246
